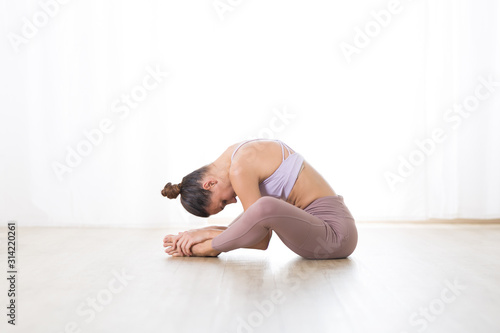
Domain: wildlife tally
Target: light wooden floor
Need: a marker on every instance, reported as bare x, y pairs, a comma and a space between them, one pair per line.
401, 278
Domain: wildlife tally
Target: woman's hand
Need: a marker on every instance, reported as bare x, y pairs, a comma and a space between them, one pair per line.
190, 238
182, 243
169, 243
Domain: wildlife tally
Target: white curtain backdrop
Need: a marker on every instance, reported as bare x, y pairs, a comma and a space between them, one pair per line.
395, 103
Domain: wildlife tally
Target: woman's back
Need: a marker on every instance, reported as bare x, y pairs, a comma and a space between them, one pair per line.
269, 157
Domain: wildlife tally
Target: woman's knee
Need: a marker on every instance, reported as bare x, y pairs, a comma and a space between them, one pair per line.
264, 207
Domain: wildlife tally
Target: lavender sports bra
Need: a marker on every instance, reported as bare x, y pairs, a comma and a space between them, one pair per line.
280, 183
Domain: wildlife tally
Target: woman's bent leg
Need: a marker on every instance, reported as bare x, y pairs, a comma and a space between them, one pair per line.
304, 233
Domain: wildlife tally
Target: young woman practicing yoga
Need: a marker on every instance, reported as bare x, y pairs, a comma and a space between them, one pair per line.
279, 192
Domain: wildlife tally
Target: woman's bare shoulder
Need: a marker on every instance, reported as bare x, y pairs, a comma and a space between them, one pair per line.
257, 158
250, 152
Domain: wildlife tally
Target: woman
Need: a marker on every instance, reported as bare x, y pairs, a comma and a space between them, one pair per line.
279, 192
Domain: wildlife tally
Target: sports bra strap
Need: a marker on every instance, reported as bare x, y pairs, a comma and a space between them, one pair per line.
281, 143
241, 144
287, 148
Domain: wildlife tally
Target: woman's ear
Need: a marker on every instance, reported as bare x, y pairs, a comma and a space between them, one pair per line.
210, 183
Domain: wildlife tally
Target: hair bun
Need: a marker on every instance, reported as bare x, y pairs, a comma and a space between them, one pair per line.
171, 191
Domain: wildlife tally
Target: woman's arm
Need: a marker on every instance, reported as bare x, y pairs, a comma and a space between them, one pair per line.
181, 244
244, 176
214, 227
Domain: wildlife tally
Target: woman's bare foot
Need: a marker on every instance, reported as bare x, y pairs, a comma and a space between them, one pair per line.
204, 249
168, 243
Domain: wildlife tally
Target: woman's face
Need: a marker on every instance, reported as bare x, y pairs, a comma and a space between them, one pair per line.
221, 196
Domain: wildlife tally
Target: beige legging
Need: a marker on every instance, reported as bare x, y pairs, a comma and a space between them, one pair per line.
323, 230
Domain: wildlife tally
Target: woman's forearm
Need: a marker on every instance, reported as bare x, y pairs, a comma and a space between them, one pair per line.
212, 233
215, 227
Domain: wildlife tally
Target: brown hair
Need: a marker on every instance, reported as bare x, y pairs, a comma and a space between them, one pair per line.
171, 191
194, 198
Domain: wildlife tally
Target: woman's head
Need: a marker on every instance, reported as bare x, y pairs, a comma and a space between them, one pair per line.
194, 197
202, 193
